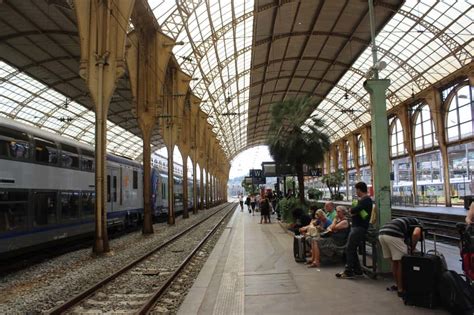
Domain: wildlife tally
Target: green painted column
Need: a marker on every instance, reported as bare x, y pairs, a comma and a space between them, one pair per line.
380, 157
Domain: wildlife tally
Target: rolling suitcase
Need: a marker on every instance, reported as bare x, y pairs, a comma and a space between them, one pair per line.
299, 248
421, 274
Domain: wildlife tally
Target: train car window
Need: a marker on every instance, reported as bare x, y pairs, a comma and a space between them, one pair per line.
163, 190
14, 144
69, 156
88, 203
13, 210
69, 206
115, 188
44, 208
135, 180
87, 161
46, 151
108, 188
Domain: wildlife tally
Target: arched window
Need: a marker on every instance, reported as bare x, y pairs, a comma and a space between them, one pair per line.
397, 145
424, 129
339, 158
459, 123
350, 158
361, 149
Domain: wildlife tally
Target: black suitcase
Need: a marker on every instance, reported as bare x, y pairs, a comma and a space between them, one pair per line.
420, 276
456, 294
299, 248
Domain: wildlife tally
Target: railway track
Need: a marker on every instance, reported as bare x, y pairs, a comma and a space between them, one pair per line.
41, 253
136, 287
443, 225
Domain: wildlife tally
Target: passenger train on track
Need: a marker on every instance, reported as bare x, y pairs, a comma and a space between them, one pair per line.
47, 188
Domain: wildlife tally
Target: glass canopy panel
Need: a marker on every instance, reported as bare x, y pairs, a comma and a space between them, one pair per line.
42, 107
220, 34
419, 46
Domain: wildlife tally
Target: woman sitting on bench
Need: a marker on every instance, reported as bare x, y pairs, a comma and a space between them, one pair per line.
334, 237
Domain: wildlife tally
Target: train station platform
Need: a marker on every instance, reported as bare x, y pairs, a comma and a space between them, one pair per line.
252, 271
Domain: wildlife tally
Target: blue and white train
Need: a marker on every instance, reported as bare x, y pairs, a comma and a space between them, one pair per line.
47, 188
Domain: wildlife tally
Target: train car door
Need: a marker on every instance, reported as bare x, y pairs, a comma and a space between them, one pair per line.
112, 189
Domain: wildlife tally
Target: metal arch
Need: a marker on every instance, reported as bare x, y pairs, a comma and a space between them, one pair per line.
25, 103
355, 70
349, 91
36, 64
38, 33
68, 124
416, 76
341, 125
202, 72
206, 44
216, 51
176, 21
460, 52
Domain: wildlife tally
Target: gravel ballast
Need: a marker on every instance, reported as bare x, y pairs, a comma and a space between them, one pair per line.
43, 286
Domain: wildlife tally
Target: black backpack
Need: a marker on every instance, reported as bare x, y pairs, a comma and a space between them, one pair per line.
456, 294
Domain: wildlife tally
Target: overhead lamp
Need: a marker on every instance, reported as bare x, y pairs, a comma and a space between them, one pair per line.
180, 43
378, 66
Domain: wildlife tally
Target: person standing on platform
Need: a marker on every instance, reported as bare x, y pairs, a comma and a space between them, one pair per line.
252, 203
265, 210
394, 237
247, 202
360, 223
241, 202
329, 208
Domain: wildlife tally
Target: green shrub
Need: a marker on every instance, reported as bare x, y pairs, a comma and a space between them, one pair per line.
314, 193
286, 207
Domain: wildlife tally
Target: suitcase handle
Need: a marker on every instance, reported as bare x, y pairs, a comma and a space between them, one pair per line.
422, 239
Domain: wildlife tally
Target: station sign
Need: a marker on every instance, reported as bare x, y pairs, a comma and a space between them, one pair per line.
256, 173
272, 169
254, 180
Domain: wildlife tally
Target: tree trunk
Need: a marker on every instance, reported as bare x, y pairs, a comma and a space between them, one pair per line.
300, 175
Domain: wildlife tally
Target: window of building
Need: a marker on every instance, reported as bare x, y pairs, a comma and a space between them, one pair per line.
350, 158
339, 158
397, 145
429, 179
461, 171
362, 152
424, 134
459, 123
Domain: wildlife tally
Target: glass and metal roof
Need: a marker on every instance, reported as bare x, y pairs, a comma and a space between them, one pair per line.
24, 99
243, 55
216, 52
424, 42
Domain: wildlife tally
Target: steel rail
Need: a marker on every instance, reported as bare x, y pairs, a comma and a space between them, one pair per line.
159, 292
84, 294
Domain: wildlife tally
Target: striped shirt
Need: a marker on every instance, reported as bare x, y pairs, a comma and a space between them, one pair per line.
399, 227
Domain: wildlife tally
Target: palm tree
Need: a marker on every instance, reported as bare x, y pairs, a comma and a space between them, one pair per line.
295, 138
